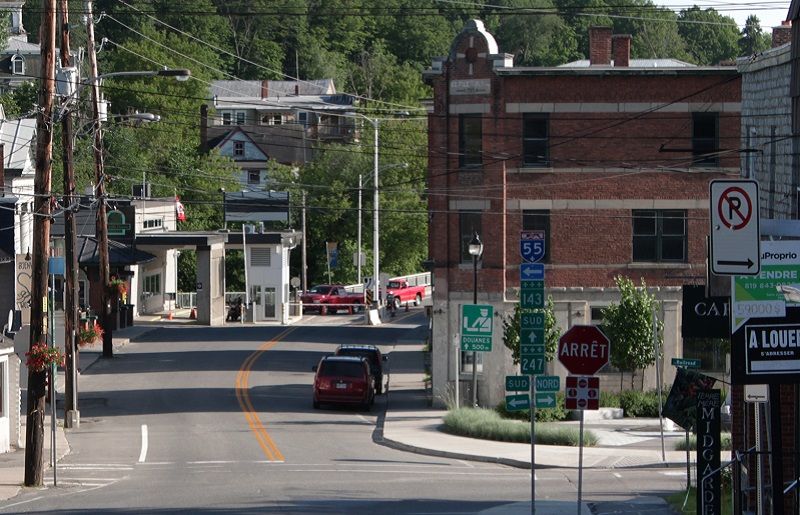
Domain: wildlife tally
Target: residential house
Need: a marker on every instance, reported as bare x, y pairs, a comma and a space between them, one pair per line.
255, 122
611, 157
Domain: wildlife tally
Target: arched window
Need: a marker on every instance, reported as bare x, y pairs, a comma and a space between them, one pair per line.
17, 64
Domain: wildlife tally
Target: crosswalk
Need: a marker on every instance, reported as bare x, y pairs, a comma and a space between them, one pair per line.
87, 475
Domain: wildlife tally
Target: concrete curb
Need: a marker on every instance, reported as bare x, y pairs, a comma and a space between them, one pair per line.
400, 446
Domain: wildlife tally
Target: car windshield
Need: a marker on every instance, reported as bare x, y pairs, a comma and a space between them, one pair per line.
341, 369
371, 356
394, 284
324, 290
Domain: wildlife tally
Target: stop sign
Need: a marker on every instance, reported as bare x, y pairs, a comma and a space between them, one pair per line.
583, 350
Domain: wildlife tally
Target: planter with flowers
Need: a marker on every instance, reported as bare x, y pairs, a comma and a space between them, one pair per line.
41, 357
90, 334
119, 287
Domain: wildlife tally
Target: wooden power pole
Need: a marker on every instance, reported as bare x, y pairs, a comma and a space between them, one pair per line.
100, 185
71, 413
37, 381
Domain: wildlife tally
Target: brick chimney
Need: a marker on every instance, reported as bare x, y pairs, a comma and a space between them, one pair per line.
782, 34
264, 89
599, 46
622, 49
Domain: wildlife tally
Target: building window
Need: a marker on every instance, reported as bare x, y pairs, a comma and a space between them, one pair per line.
538, 220
469, 223
153, 223
254, 177
536, 140
17, 65
260, 256
240, 117
302, 118
470, 141
152, 284
659, 235
272, 119
466, 361
227, 116
705, 139
238, 148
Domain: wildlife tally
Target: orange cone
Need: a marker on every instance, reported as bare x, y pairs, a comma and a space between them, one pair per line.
193, 314
169, 315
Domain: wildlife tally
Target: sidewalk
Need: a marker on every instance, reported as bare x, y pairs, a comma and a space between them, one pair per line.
412, 425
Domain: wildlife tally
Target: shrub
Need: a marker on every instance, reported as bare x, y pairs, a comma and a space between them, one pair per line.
556, 414
639, 404
489, 425
609, 399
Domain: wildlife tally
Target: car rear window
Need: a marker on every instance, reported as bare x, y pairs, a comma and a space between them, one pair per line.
324, 290
341, 369
371, 356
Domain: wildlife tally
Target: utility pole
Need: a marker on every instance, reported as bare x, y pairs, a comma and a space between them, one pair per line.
37, 381
100, 193
71, 413
303, 267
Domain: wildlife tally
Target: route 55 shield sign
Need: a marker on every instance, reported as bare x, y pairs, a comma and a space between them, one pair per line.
531, 245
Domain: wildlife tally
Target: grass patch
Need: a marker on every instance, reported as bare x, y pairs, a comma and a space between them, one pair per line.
489, 425
676, 502
724, 443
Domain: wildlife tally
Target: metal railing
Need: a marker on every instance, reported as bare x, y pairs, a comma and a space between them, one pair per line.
186, 300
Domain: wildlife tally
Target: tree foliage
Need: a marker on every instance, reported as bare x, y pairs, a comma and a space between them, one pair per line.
629, 326
753, 40
710, 37
511, 326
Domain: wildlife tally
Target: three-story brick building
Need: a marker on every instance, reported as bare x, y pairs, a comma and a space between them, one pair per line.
610, 156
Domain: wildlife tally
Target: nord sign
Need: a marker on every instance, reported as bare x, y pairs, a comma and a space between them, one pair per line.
583, 350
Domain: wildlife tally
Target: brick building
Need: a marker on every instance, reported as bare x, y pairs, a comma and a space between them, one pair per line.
611, 156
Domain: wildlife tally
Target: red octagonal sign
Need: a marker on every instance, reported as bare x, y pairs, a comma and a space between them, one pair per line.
584, 350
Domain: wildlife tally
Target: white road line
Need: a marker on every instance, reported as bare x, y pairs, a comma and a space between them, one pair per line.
466, 464
143, 454
674, 473
92, 467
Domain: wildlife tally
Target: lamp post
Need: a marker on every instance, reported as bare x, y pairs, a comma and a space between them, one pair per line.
475, 249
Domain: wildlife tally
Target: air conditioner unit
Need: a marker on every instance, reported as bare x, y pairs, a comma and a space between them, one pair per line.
249, 229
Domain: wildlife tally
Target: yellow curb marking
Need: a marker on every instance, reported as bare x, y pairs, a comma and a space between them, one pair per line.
243, 396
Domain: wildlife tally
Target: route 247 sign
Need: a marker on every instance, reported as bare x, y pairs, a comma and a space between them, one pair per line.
531, 245
735, 234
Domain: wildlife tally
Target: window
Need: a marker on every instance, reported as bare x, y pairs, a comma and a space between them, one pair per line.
469, 223
260, 256
240, 117
659, 235
536, 140
153, 223
17, 65
238, 148
227, 116
271, 119
254, 177
705, 139
152, 283
538, 220
470, 141
466, 361
302, 118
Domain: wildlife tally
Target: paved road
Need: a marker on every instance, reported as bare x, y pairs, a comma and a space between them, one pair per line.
219, 420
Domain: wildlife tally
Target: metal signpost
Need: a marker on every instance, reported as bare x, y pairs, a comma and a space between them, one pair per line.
583, 350
735, 233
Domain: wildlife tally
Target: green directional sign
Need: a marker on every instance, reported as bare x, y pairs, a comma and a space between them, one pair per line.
531, 295
548, 383
531, 349
518, 383
545, 400
476, 327
686, 363
518, 402
529, 336
532, 364
531, 321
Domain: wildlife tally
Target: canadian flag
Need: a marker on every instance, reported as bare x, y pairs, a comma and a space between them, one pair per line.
179, 212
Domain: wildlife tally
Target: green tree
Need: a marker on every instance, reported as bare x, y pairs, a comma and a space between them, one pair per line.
629, 326
536, 40
511, 326
753, 40
710, 37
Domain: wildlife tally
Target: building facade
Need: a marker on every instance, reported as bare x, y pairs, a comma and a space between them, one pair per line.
611, 157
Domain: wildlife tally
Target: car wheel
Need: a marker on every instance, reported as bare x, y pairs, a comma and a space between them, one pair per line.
397, 303
418, 300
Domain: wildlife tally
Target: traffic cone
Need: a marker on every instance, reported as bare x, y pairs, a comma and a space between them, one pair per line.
193, 314
169, 315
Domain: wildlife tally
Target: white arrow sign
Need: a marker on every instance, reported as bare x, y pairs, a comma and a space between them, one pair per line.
517, 402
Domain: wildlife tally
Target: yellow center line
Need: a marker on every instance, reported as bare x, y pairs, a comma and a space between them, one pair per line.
243, 396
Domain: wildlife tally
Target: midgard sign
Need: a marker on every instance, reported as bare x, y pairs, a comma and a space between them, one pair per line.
772, 349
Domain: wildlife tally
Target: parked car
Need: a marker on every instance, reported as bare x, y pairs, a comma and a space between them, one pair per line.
399, 291
331, 298
373, 355
343, 380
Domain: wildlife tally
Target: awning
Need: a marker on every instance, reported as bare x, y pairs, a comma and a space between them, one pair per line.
119, 254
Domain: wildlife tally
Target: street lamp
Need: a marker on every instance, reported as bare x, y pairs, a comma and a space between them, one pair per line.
475, 249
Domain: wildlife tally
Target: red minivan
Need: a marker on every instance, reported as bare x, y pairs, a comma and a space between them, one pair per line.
344, 380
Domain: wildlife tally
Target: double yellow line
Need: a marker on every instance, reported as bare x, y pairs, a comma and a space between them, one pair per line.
243, 396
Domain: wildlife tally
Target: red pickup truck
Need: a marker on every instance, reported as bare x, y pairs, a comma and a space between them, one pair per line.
331, 298
400, 292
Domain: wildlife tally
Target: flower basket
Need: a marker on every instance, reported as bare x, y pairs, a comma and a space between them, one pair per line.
118, 286
90, 334
41, 357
